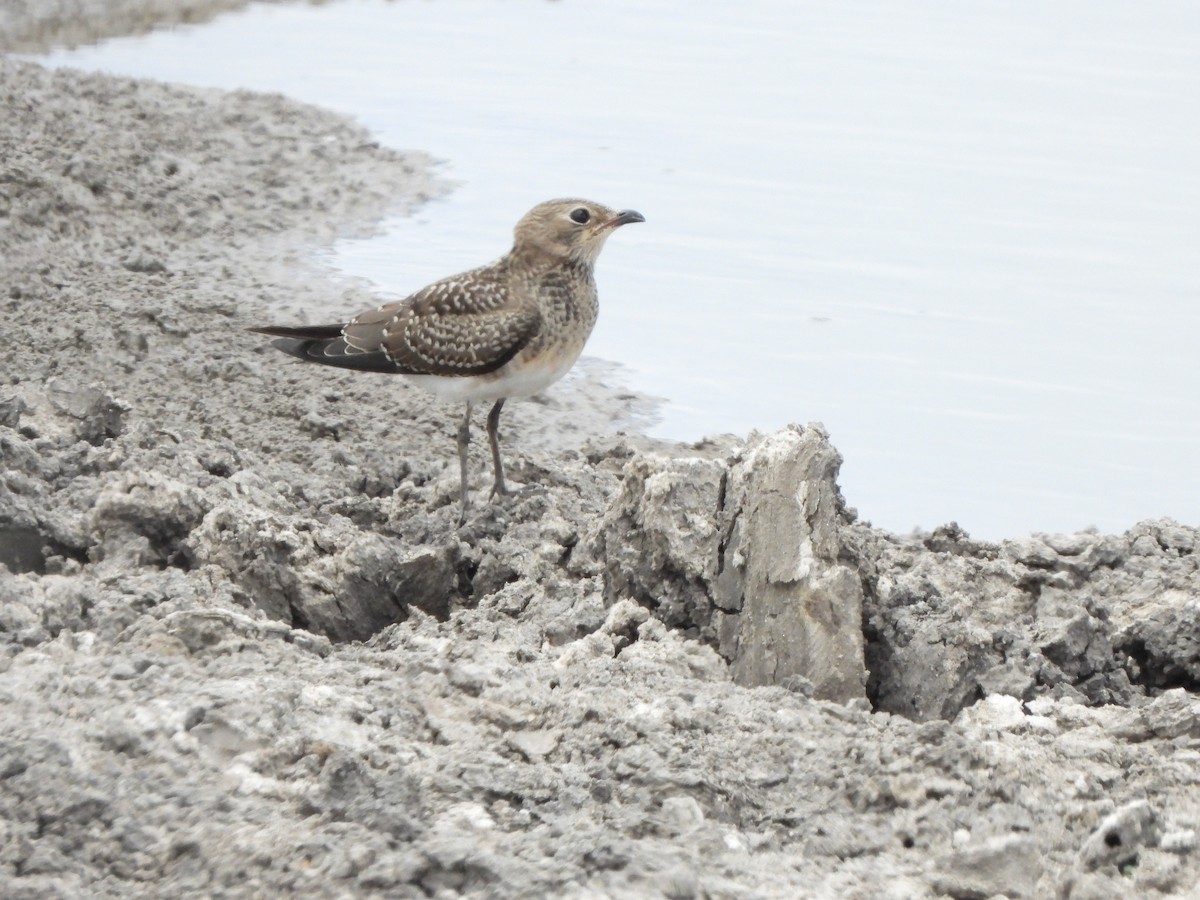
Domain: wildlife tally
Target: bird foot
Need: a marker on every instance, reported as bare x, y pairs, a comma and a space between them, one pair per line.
514, 489
508, 489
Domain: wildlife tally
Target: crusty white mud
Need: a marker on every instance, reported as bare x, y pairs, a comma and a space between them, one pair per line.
245, 650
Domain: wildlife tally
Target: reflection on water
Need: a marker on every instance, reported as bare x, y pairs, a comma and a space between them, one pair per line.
964, 237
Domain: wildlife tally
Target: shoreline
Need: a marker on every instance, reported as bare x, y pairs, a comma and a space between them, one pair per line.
36, 28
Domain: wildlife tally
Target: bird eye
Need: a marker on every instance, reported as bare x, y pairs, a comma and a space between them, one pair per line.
580, 215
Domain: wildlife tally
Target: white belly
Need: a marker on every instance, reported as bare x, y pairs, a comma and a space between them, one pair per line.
517, 379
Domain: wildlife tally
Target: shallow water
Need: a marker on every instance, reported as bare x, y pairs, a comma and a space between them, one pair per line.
963, 236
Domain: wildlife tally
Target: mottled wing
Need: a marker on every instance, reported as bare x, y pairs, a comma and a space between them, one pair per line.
324, 344
466, 325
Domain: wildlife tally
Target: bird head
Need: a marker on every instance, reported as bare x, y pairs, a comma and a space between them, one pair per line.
568, 230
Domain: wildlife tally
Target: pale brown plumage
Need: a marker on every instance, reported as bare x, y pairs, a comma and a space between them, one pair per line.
503, 330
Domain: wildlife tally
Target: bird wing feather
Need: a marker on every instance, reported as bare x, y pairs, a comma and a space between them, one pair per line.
466, 325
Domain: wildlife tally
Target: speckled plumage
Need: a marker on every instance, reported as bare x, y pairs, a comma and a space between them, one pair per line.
508, 329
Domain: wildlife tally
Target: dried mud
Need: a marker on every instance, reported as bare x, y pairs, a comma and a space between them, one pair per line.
246, 651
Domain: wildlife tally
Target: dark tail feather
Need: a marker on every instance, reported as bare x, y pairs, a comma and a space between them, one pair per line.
304, 332
324, 344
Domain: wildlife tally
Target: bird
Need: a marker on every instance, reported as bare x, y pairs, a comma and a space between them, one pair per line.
505, 330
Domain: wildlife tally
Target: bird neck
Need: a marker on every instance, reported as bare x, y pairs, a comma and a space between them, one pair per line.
536, 259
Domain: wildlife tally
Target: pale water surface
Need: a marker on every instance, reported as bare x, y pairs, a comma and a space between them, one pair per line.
964, 235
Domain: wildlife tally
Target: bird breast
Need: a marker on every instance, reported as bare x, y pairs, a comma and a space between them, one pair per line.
566, 299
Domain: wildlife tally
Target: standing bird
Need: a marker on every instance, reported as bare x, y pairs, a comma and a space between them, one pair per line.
508, 329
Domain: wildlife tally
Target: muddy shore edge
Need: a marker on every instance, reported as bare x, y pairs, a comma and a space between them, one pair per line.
245, 650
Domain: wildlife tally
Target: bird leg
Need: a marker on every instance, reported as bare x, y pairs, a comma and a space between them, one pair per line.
464, 438
493, 430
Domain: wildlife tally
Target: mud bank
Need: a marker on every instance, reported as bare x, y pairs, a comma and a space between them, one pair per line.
245, 651
38, 27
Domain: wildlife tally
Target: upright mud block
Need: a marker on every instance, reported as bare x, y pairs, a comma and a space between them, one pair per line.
743, 553
800, 608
